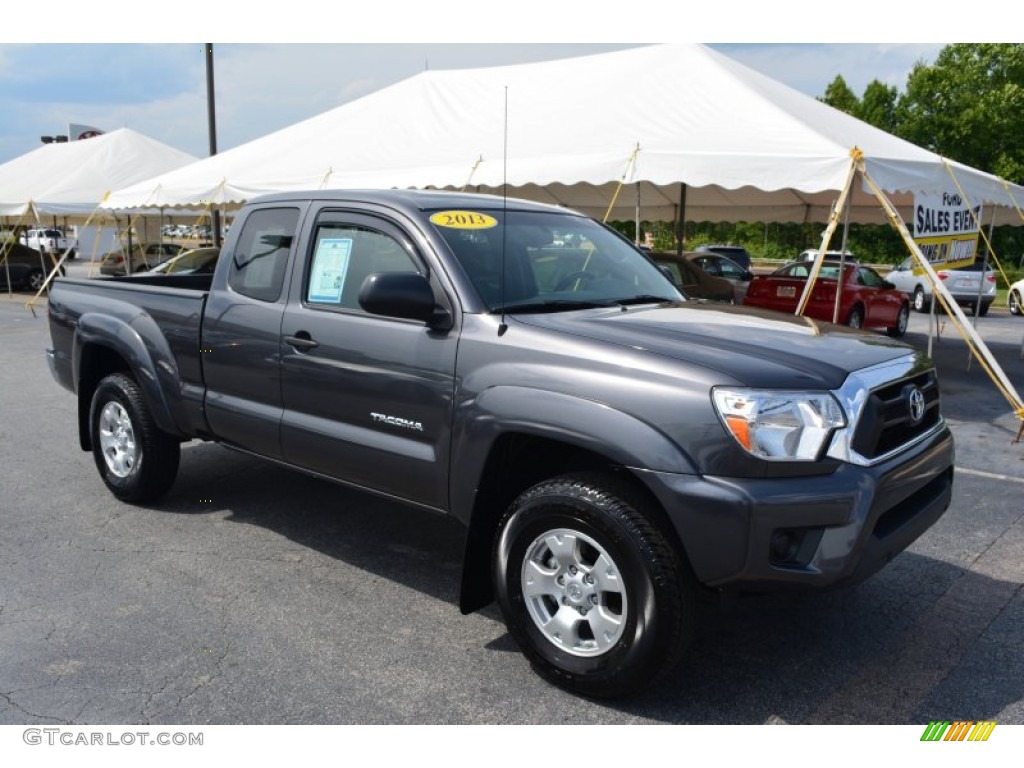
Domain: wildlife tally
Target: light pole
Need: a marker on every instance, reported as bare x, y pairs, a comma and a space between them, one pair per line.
211, 116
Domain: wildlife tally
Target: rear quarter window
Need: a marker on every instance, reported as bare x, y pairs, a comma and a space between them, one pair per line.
260, 259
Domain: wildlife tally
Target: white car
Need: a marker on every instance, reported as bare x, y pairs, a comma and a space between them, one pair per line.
961, 282
1015, 298
812, 253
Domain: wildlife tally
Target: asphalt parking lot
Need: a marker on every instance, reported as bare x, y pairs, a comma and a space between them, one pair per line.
251, 594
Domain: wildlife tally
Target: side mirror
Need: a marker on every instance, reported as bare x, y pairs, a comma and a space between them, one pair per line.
405, 295
747, 276
667, 272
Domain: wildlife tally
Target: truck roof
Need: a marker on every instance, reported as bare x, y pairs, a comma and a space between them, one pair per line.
413, 200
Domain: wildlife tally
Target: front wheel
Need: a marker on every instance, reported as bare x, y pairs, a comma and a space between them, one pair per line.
136, 460
596, 595
902, 320
1014, 304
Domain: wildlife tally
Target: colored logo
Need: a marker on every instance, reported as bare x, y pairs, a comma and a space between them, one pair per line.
961, 730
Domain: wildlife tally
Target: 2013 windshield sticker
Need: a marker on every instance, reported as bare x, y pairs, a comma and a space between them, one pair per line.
463, 220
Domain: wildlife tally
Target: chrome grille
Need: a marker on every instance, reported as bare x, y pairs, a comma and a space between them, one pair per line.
886, 422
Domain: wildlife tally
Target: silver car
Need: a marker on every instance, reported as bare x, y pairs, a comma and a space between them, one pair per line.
962, 282
1015, 298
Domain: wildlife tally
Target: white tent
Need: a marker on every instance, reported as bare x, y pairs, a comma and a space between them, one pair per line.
745, 146
70, 179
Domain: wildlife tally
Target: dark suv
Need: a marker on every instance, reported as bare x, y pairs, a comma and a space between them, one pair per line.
25, 267
737, 253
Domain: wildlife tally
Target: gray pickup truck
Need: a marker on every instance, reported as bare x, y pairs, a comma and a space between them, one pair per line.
611, 447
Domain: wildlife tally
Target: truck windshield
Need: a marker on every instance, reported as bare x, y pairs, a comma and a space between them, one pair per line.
548, 262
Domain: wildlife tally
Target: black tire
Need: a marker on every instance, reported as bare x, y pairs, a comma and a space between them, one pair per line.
902, 321
983, 310
921, 302
34, 279
856, 317
137, 461
643, 606
1014, 303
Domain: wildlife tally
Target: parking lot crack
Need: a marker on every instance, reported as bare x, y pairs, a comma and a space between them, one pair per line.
7, 697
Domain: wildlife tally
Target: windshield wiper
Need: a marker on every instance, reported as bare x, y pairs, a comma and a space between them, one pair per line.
555, 305
645, 298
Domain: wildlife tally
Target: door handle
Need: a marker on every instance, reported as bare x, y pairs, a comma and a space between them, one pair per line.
302, 341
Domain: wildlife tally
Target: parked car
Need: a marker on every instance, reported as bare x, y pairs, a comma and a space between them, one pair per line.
866, 301
812, 253
143, 258
199, 261
737, 253
50, 241
691, 277
1015, 298
726, 268
961, 282
26, 267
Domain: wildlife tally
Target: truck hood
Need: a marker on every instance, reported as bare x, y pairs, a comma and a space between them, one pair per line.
756, 348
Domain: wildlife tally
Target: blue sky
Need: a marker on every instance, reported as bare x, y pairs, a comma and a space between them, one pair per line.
78, 66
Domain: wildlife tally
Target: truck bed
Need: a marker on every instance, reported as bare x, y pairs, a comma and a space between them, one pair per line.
151, 317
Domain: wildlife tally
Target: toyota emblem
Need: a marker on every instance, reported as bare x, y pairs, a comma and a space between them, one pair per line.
915, 404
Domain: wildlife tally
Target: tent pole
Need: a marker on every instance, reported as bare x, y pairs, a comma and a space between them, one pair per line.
984, 269
636, 216
931, 323
681, 220
842, 258
826, 238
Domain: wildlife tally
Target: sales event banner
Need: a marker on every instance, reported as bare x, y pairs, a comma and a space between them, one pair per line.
945, 230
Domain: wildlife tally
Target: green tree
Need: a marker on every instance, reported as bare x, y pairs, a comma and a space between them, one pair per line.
839, 95
969, 106
879, 106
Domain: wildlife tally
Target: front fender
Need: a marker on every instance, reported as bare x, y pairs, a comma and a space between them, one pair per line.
597, 427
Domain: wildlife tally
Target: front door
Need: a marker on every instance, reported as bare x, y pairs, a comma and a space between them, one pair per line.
367, 399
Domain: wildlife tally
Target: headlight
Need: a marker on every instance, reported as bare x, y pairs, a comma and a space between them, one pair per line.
777, 425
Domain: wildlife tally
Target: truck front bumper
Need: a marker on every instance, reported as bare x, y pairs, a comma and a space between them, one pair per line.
824, 531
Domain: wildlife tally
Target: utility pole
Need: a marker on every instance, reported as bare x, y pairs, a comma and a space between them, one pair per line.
211, 115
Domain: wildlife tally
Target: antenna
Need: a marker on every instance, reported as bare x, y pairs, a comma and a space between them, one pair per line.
502, 326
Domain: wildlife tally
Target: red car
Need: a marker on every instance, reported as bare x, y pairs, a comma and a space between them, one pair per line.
867, 300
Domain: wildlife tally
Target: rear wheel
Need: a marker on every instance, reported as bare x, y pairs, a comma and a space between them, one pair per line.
902, 320
856, 317
983, 310
921, 302
1014, 303
596, 595
35, 279
136, 460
